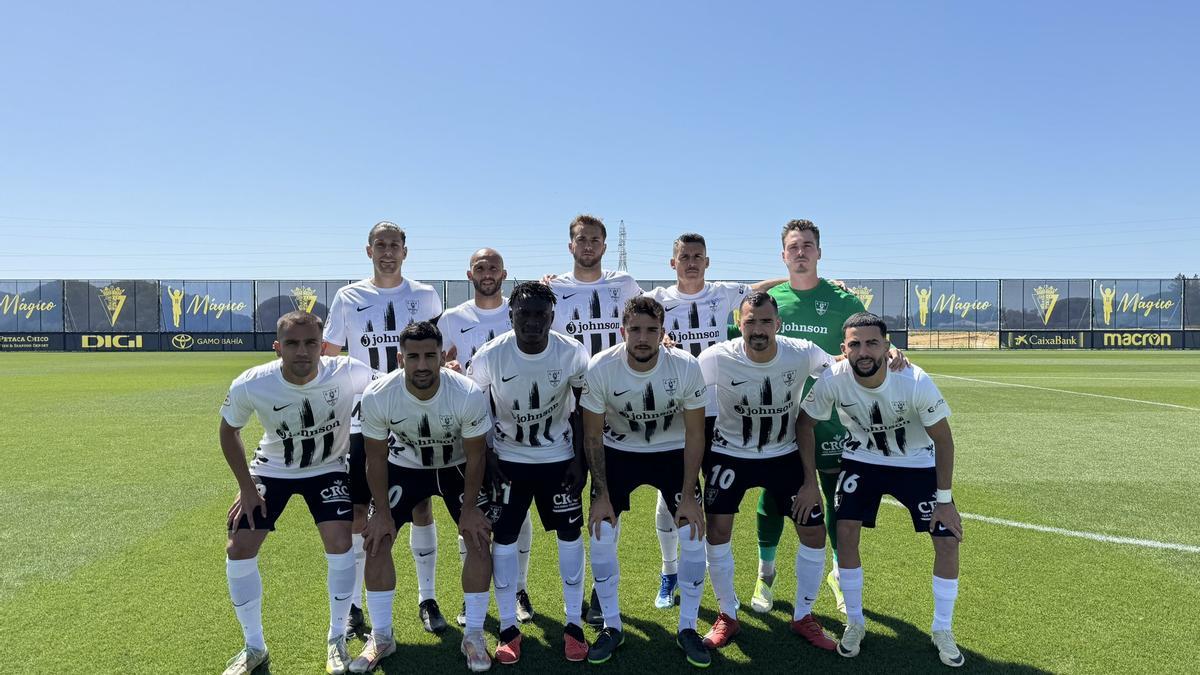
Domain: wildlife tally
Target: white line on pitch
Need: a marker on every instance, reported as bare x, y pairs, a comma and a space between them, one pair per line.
1093, 536
1068, 391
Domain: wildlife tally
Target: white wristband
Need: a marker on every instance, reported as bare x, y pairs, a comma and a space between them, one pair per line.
943, 496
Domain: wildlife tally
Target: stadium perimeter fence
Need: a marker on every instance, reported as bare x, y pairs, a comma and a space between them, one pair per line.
240, 315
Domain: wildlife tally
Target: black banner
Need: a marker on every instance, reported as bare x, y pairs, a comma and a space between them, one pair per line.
31, 342
954, 305
1046, 339
208, 342
34, 306
883, 297
207, 306
1040, 304
113, 342
1191, 339
276, 298
1137, 339
1191, 303
898, 338
126, 306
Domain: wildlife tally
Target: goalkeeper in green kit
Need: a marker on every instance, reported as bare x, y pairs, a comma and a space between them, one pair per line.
813, 309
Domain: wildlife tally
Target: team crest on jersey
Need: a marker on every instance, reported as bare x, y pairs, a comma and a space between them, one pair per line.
614, 293
412, 305
447, 421
822, 307
789, 377
331, 395
671, 384
899, 407
555, 376
712, 304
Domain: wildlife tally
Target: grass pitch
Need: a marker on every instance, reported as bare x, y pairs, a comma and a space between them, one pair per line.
115, 495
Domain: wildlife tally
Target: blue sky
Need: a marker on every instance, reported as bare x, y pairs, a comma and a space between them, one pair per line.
262, 140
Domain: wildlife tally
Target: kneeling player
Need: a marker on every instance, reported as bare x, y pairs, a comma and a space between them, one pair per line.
440, 421
755, 385
533, 376
901, 445
643, 424
304, 403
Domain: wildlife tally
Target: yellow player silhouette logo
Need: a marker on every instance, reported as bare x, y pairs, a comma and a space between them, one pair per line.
923, 302
1108, 295
176, 296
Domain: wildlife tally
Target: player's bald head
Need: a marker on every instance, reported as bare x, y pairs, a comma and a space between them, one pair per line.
487, 254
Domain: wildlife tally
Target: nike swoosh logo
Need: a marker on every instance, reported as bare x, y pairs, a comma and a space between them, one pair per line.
669, 309
399, 421
847, 405
572, 521
600, 581
621, 393
243, 604
360, 309
336, 598
341, 512
570, 296
463, 330
736, 383
277, 409
422, 555
506, 379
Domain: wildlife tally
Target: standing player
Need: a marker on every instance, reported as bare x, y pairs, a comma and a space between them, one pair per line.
304, 402
643, 420
813, 309
900, 445
754, 385
696, 318
533, 375
439, 420
465, 329
368, 316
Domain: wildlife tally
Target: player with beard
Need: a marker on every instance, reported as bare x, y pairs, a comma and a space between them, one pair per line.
900, 445
534, 376
696, 317
304, 402
811, 308
367, 316
439, 420
465, 329
643, 419
754, 385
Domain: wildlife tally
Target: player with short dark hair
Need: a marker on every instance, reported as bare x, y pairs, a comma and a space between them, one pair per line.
304, 402
900, 445
754, 385
643, 420
533, 376
367, 317
439, 420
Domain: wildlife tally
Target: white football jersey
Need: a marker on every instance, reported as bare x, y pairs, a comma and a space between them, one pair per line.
467, 327
531, 394
886, 424
368, 319
426, 434
591, 312
756, 404
698, 321
306, 428
643, 412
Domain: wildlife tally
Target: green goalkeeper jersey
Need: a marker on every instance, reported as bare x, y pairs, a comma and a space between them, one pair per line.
817, 315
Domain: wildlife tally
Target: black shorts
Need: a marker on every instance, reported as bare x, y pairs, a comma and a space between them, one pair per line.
360, 491
861, 486
327, 496
625, 471
559, 508
726, 479
408, 487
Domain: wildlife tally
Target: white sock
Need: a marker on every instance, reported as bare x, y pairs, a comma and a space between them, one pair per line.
570, 567
504, 573
340, 579
606, 573
810, 570
422, 541
462, 550
766, 569
720, 572
245, 590
691, 577
360, 565
945, 592
379, 604
477, 605
524, 545
852, 590
668, 538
